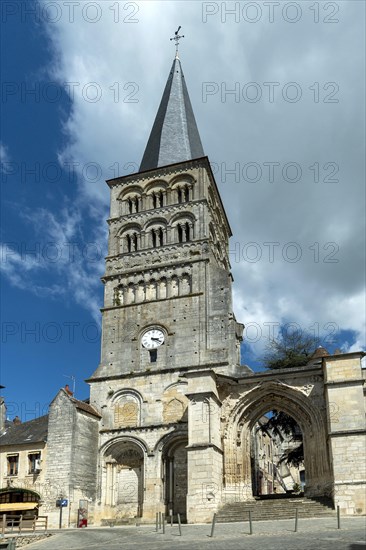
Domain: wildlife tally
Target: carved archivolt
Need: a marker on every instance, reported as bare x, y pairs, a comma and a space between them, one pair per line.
241, 414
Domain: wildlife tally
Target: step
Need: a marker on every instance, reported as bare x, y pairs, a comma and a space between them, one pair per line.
267, 509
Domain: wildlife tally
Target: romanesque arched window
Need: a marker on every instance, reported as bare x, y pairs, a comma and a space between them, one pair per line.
130, 200
157, 199
157, 237
132, 242
183, 193
133, 204
182, 188
184, 232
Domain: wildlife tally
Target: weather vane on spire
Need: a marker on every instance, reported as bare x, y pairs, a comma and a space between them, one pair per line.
176, 39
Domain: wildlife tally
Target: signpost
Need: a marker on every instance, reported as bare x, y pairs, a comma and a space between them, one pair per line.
61, 503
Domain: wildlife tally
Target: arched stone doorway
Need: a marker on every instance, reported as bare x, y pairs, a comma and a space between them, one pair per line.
175, 476
124, 478
276, 449
251, 406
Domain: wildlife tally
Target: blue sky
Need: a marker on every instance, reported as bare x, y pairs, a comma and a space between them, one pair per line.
51, 297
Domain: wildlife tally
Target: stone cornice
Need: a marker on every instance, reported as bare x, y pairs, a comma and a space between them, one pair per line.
165, 256
279, 373
204, 395
164, 248
202, 446
346, 433
350, 482
148, 427
160, 172
352, 382
350, 355
157, 372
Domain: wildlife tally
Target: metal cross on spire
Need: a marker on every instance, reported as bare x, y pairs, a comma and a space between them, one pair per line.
176, 39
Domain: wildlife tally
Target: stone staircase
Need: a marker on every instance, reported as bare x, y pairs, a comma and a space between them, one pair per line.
276, 508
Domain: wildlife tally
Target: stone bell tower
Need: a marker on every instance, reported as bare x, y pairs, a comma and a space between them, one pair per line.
167, 267
167, 316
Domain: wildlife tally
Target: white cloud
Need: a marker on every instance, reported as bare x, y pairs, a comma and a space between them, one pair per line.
324, 218
60, 254
4, 155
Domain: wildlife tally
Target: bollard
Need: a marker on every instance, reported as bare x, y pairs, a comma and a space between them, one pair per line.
296, 518
213, 525
163, 525
171, 517
157, 522
179, 525
250, 523
338, 517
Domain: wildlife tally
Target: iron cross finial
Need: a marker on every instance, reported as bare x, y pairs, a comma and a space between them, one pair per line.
176, 39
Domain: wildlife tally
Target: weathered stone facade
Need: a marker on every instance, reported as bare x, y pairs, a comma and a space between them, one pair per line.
186, 414
171, 407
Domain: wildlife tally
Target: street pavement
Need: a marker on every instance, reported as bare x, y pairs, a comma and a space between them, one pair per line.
312, 534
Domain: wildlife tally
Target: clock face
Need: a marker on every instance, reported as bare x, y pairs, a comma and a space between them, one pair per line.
152, 338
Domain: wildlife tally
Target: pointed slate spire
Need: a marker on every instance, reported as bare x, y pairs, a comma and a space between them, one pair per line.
174, 136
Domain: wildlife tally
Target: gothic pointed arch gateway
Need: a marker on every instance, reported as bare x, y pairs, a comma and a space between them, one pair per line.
250, 406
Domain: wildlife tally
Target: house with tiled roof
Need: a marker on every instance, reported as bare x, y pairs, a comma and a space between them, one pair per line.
39, 457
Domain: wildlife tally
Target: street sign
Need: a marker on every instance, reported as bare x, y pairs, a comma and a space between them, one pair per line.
62, 503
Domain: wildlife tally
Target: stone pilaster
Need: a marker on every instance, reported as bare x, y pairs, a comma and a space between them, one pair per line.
205, 456
344, 382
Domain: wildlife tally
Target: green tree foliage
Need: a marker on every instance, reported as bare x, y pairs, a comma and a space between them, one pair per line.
290, 349
282, 425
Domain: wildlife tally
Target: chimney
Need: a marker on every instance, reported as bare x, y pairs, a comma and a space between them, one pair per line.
17, 421
68, 391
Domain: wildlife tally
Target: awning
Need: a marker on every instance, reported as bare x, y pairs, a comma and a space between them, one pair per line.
17, 506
